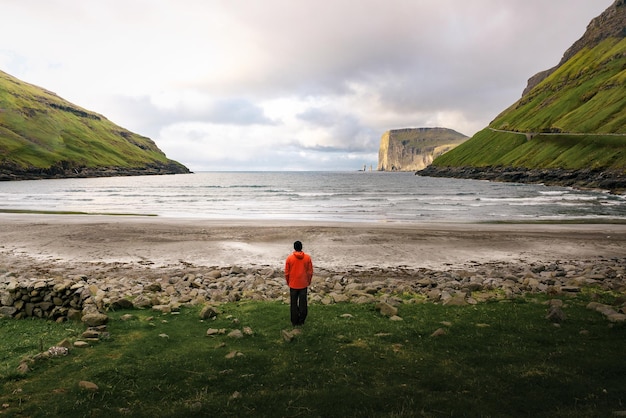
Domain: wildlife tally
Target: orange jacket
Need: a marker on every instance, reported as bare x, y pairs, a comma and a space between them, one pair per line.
298, 270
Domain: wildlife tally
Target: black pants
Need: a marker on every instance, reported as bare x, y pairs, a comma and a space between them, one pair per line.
299, 309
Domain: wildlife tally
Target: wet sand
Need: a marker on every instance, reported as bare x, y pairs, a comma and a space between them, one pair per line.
31, 240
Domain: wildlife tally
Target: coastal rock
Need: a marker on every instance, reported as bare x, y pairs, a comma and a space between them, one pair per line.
415, 148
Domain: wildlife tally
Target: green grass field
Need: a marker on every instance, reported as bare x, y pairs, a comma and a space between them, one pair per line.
498, 359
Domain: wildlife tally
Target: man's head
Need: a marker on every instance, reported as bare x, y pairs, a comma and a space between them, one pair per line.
297, 246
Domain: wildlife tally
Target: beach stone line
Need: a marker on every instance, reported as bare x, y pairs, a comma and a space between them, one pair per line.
63, 293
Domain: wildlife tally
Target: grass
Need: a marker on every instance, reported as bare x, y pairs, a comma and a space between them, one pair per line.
585, 95
497, 359
38, 129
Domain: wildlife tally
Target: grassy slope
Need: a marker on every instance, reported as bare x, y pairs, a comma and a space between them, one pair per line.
586, 95
39, 129
497, 359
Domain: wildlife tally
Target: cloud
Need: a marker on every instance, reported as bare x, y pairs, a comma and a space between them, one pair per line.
287, 85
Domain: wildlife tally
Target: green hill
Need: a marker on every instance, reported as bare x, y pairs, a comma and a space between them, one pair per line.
44, 136
568, 128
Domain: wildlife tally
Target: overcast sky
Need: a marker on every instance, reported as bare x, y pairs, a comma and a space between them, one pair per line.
287, 84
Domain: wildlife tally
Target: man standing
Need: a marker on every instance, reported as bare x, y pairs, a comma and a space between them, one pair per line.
298, 274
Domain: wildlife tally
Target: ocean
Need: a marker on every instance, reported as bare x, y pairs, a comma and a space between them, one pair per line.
313, 196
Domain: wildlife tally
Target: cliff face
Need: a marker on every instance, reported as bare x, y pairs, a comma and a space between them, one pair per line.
414, 149
610, 24
45, 136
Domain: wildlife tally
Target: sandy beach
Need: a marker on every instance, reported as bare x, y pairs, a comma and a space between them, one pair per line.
76, 242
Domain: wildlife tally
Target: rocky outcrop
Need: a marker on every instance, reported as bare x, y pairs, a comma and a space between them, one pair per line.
610, 24
413, 149
613, 181
10, 171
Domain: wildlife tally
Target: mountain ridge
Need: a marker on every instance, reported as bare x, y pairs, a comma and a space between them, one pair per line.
45, 136
568, 128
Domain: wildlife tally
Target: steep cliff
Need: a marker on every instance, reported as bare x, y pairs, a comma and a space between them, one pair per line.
569, 126
45, 136
413, 149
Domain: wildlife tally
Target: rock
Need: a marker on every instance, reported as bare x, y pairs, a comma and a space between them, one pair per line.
212, 331
81, 344
413, 149
57, 351
122, 304
457, 300
556, 314
23, 368
234, 354
88, 386
208, 312
396, 318
616, 317
287, 336
248, 331
7, 310
235, 334
215, 274
91, 334
153, 287
386, 309
439, 332
165, 309
94, 319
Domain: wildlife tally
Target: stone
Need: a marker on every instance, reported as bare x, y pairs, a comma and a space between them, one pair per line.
7, 310
396, 318
23, 368
457, 300
386, 309
81, 344
439, 332
153, 287
234, 354
235, 334
58, 351
556, 314
208, 312
287, 336
88, 386
122, 304
162, 308
95, 319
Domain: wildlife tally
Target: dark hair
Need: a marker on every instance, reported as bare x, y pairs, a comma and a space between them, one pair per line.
297, 246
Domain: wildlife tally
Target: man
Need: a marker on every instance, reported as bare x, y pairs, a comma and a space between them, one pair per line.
298, 274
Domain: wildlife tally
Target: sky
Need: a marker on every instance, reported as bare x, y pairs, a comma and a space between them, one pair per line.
287, 84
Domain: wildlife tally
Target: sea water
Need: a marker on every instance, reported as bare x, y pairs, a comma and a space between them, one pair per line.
313, 196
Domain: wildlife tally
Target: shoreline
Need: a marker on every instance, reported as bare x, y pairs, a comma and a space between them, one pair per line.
63, 267
89, 239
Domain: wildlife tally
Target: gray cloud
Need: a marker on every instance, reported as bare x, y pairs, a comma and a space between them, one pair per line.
306, 84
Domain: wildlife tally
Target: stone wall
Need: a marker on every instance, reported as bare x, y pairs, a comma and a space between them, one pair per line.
50, 299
